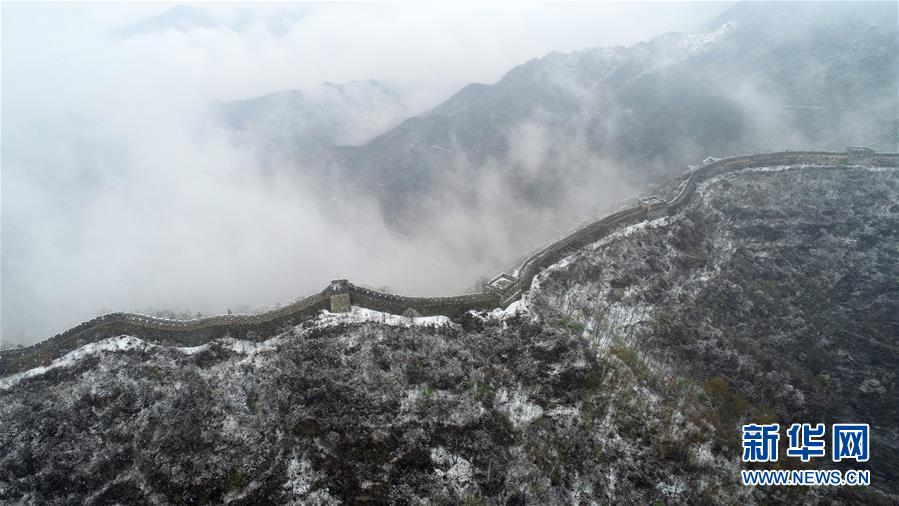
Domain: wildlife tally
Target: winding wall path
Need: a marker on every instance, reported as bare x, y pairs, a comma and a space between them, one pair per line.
263, 325
596, 230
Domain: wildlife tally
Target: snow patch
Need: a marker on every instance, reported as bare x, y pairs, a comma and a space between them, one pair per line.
517, 407
249, 348
701, 455
564, 412
410, 399
363, 315
192, 350
781, 168
619, 234
129, 343
454, 468
517, 308
112, 344
778, 168
300, 477
696, 42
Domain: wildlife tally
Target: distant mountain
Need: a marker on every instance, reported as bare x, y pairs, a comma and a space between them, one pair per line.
291, 123
764, 77
183, 18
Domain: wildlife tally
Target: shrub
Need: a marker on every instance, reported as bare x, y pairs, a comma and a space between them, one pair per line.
427, 393
573, 326
479, 389
730, 404
236, 480
630, 357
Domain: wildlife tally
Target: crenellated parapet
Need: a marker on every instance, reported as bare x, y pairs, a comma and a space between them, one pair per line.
653, 207
452, 306
164, 331
341, 295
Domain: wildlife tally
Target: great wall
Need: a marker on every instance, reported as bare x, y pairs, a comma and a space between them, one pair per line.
340, 295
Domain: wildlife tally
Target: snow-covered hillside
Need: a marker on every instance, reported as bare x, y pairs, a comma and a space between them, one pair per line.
622, 377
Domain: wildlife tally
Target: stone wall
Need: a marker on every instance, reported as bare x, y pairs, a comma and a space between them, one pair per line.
250, 327
453, 306
163, 331
578, 239
263, 325
597, 230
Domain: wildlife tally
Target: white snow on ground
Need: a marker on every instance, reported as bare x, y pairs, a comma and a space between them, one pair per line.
249, 347
564, 412
875, 169
687, 45
190, 350
362, 315
519, 307
458, 472
243, 347
121, 343
516, 405
667, 220
513, 309
694, 43
250, 350
780, 168
127, 343
772, 168
300, 476
601, 243
666, 50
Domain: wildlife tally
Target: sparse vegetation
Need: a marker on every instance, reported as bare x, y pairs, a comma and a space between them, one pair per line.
572, 325
427, 393
236, 480
444, 414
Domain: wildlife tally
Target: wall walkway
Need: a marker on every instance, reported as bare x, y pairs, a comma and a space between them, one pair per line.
502, 291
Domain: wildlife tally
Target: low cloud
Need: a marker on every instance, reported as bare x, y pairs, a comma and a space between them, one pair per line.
120, 192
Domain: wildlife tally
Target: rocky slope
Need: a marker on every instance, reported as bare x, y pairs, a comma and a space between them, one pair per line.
622, 376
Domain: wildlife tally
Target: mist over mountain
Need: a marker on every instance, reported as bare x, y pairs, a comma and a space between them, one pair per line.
764, 77
197, 163
449, 253
622, 376
184, 18
294, 123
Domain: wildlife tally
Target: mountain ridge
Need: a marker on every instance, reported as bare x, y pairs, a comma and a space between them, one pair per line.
500, 295
637, 110
623, 376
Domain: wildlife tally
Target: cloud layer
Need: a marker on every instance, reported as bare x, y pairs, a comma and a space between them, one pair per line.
119, 193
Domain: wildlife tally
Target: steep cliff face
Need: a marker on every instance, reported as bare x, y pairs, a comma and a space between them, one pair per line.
622, 376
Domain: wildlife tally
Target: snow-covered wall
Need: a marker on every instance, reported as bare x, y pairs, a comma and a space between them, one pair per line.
599, 229
262, 325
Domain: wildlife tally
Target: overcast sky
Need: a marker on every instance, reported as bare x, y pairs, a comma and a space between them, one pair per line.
116, 192
233, 50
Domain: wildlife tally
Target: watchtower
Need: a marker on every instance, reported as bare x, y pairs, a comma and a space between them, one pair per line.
340, 296
858, 155
655, 206
506, 286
